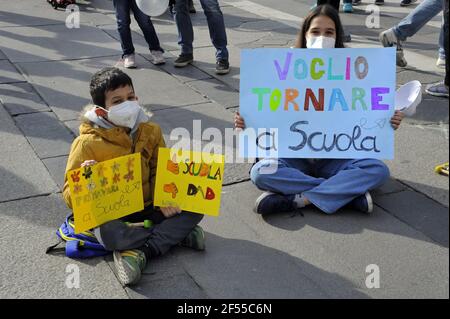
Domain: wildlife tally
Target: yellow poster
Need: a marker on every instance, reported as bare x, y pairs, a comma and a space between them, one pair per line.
190, 180
106, 191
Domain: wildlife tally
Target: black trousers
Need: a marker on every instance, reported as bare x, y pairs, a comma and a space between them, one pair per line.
165, 233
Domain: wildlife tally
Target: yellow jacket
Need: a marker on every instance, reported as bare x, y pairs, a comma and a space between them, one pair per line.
100, 144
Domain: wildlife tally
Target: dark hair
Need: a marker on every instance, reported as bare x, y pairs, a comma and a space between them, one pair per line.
323, 10
107, 79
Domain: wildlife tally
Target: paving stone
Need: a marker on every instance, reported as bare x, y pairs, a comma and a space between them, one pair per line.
46, 134
8, 73
56, 42
27, 272
420, 212
19, 98
57, 168
22, 173
217, 92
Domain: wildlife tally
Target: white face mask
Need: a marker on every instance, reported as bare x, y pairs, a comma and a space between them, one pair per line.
124, 114
320, 42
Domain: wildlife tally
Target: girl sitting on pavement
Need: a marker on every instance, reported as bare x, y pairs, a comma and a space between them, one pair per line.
328, 184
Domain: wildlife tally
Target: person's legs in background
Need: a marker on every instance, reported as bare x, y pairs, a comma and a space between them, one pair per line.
146, 25
441, 88
218, 34
185, 33
409, 26
123, 9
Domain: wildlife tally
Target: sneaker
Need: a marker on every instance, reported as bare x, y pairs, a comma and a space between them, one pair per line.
389, 39
129, 265
347, 7
191, 7
406, 3
440, 63
356, 2
363, 203
222, 67
157, 57
195, 239
184, 60
270, 202
129, 61
437, 89
379, 2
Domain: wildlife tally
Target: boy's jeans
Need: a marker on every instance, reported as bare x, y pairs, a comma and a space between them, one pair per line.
164, 234
420, 16
329, 183
123, 9
216, 27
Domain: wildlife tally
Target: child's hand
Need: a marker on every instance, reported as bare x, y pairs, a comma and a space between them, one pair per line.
88, 163
170, 211
239, 122
396, 120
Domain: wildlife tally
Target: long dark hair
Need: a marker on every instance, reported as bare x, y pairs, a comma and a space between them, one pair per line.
323, 10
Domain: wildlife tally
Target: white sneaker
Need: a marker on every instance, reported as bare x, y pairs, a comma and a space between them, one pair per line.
440, 63
157, 57
388, 38
129, 61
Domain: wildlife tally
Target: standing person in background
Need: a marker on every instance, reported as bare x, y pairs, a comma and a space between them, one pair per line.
217, 33
123, 10
441, 88
410, 25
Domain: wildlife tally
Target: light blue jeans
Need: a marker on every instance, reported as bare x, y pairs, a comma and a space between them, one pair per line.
216, 27
329, 184
420, 16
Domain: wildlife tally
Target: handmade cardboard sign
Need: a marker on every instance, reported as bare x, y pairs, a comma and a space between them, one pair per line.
106, 191
189, 180
310, 103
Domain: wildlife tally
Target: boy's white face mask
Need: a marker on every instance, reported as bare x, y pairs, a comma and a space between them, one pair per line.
320, 42
124, 114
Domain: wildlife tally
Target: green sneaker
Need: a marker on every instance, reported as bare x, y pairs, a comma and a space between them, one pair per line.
129, 265
195, 239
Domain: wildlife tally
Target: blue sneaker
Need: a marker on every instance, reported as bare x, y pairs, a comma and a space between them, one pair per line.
347, 7
270, 202
363, 203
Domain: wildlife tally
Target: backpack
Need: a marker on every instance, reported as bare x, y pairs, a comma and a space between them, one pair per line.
78, 246
60, 3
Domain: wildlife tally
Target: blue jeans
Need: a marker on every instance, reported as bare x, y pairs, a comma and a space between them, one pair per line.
123, 9
414, 21
216, 27
329, 184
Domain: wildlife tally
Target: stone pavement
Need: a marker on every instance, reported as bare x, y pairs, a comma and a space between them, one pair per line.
44, 73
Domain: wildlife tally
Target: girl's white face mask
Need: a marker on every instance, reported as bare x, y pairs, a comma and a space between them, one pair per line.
124, 114
320, 42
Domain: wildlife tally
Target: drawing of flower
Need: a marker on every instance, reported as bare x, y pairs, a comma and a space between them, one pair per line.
104, 181
116, 178
87, 172
75, 176
77, 188
115, 168
129, 177
91, 186
130, 164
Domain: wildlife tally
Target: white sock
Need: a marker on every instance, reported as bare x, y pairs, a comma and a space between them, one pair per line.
299, 201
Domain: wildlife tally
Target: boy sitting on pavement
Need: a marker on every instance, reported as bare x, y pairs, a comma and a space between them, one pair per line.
114, 126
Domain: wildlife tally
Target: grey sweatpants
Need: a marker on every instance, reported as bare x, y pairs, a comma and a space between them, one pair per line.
165, 233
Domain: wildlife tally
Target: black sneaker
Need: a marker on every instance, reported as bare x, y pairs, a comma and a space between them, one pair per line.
270, 202
222, 67
363, 203
406, 3
356, 2
379, 2
184, 60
